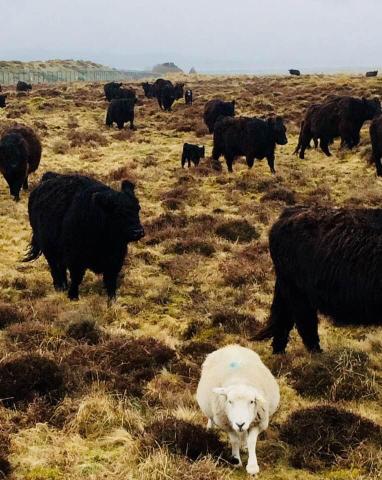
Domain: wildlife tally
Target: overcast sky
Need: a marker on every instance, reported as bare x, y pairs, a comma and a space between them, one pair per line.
248, 35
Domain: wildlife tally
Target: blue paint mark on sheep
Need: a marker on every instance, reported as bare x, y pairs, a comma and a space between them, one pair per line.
234, 365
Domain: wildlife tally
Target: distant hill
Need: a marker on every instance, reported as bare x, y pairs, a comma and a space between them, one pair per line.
52, 65
168, 67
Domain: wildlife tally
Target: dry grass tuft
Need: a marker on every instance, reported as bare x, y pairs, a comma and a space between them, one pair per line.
88, 138
23, 377
237, 231
9, 315
84, 330
342, 374
5, 467
322, 436
233, 321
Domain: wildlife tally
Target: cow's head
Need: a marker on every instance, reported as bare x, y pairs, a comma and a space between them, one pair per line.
372, 107
276, 124
243, 405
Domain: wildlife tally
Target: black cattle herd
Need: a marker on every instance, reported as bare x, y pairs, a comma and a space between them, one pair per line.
326, 260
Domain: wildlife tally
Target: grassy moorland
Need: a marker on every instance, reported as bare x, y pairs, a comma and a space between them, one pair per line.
50, 65
118, 392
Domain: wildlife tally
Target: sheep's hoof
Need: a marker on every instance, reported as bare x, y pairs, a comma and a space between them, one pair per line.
253, 469
236, 462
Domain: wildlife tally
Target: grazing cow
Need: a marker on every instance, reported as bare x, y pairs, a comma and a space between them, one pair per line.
120, 111
79, 223
192, 153
23, 86
374, 73
188, 97
338, 117
250, 137
376, 142
167, 97
2, 100
20, 155
125, 93
327, 260
158, 87
110, 90
148, 89
292, 71
214, 109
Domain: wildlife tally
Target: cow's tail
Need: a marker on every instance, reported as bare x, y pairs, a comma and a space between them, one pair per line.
34, 251
266, 333
298, 148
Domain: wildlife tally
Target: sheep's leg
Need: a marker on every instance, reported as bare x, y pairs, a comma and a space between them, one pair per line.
210, 424
235, 444
252, 465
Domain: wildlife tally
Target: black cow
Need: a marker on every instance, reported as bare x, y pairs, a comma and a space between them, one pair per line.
2, 100
167, 97
110, 90
295, 72
125, 93
374, 73
376, 142
148, 89
179, 91
326, 260
188, 97
338, 117
192, 153
120, 111
249, 137
23, 86
214, 109
20, 155
79, 223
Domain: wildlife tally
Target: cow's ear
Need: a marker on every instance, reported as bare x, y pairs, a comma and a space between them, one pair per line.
127, 186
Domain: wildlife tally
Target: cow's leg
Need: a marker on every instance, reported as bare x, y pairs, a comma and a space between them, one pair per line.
235, 444
377, 161
76, 276
281, 320
189, 163
271, 162
315, 140
250, 161
110, 283
183, 160
305, 142
58, 271
306, 322
120, 125
25, 184
131, 124
229, 160
324, 144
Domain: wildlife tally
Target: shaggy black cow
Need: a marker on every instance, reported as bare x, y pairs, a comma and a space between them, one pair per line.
125, 93
374, 73
376, 142
120, 111
326, 260
249, 137
292, 71
214, 109
167, 97
20, 155
148, 89
111, 89
79, 223
192, 153
2, 100
188, 97
338, 117
158, 87
23, 86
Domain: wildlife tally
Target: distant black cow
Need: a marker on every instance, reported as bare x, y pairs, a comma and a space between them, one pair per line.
2, 100
192, 153
188, 97
374, 73
110, 90
167, 97
148, 89
23, 86
249, 137
326, 260
214, 109
120, 111
179, 91
338, 117
158, 87
292, 71
79, 223
20, 155
376, 142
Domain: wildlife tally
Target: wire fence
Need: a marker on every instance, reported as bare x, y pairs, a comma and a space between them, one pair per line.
9, 77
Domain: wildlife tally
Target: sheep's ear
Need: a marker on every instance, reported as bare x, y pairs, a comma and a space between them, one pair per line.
262, 411
220, 391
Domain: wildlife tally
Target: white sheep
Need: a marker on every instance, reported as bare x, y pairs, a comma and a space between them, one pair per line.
239, 394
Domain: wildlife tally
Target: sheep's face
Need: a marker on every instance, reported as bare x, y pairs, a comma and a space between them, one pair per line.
241, 404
